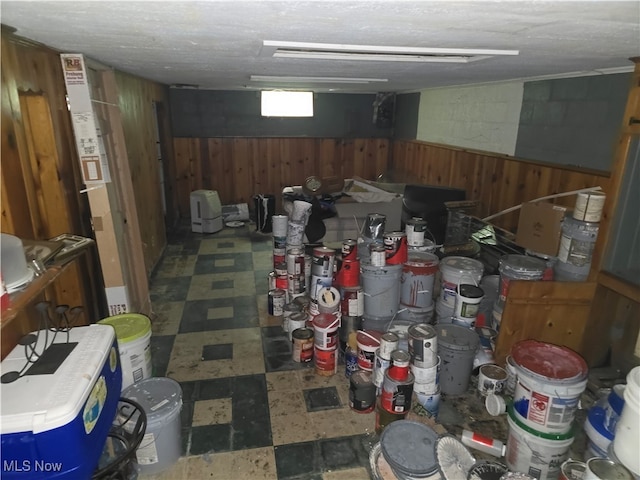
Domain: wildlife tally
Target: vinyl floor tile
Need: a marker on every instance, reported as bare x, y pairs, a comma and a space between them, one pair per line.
179, 265
254, 464
166, 318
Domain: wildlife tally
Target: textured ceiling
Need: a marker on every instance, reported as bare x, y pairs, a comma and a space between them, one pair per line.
216, 44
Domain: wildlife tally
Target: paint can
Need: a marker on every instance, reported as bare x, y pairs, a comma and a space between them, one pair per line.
551, 379
396, 394
377, 255
348, 275
325, 326
388, 343
417, 280
373, 227
282, 281
304, 302
415, 229
362, 392
280, 266
489, 285
399, 367
288, 310
572, 470
349, 250
577, 242
626, 443
368, 343
295, 232
457, 348
589, 206
302, 351
296, 320
549, 260
395, 245
271, 280
533, 452
605, 469
385, 418
427, 379
381, 286
512, 376
295, 261
380, 367
484, 354
430, 401
352, 301
453, 271
316, 284
279, 250
468, 298
517, 267
491, 379
496, 318
328, 300
444, 312
326, 361
277, 299
323, 262
423, 345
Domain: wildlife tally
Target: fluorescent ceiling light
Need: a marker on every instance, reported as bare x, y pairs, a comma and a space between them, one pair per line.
376, 53
276, 78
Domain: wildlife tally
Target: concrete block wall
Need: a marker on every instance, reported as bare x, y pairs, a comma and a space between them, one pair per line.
482, 117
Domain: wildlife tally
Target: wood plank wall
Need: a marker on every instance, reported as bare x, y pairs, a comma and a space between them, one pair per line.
239, 168
496, 181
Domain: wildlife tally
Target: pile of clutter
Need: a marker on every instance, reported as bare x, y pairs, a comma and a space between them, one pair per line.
409, 327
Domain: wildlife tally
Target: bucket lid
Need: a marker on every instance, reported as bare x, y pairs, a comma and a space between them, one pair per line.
522, 264
302, 333
461, 265
369, 338
456, 337
325, 320
158, 396
546, 436
128, 326
409, 447
552, 362
470, 291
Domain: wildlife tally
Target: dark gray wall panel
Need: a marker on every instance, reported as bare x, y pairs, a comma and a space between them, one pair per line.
213, 113
406, 118
573, 121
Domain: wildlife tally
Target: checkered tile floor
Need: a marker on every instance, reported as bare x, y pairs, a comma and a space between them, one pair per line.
249, 411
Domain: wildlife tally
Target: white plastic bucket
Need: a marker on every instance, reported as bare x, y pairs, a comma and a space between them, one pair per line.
454, 271
577, 243
467, 303
517, 267
161, 400
626, 443
550, 381
133, 332
534, 453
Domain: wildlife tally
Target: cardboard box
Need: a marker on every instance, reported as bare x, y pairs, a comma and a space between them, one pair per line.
540, 226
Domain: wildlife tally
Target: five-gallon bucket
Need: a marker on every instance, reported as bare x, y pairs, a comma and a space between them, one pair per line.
457, 348
418, 274
381, 286
535, 453
161, 400
133, 332
517, 267
454, 271
626, 443
550, 381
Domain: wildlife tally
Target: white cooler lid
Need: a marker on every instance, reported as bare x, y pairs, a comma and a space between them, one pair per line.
39, 403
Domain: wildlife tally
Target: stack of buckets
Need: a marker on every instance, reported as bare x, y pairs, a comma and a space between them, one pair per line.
550, 381
514, 267
579, 234
425, 366
160, 398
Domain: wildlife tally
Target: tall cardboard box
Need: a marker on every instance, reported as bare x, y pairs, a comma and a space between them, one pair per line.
540, 226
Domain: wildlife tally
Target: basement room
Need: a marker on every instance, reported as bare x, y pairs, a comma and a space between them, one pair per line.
320, 240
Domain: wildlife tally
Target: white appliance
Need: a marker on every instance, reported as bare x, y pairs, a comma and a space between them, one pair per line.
206, 211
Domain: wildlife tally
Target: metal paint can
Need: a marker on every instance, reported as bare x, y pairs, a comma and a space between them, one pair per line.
377, 255
572, 470
323, 262
296, 320
426, 379
388, 343
302, 339
352, 301
325, 326
295, 261
423, 345
395, 245
316, 284
271, 278
288, 310
282, 281
399, 368
605, 469
280, 267
491, 379
326, 361
348, 275
415, 229
276, 299
349, 250
384, 418
380, 367
362, 392
396, 394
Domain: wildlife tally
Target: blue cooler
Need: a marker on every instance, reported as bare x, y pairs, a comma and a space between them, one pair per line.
55, 417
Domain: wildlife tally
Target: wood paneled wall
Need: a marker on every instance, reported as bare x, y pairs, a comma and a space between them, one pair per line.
497, 181
238, 168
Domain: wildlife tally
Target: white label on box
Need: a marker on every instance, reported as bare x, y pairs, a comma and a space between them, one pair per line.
117, 299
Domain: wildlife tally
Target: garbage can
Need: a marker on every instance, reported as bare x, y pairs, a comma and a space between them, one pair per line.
265, 206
